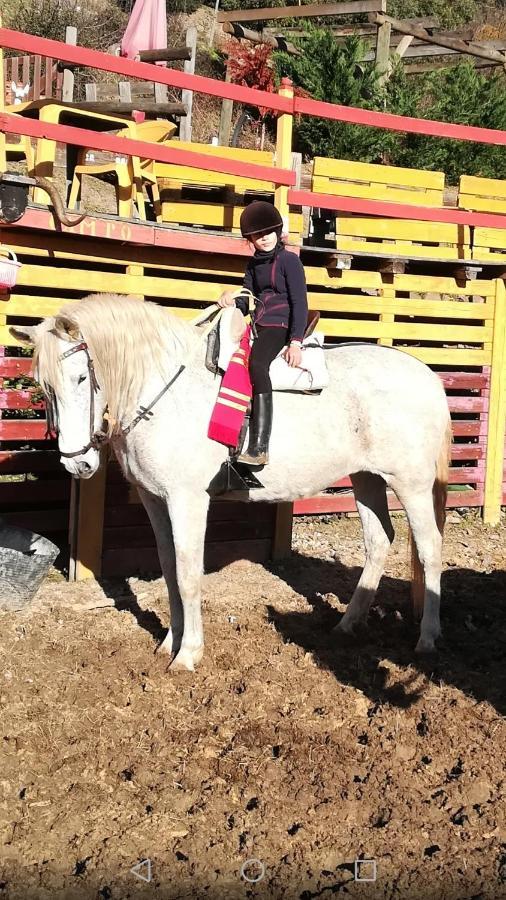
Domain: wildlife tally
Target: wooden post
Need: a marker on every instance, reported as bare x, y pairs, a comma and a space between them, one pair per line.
185, 127
87, 524
68, 74
227, 108
383, 51
284, 153
496, 413
387, 293
282, 541
3, 160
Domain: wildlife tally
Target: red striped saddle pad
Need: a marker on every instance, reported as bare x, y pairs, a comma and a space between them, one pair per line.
233, 398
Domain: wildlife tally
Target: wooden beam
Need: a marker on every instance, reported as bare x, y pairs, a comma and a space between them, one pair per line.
360, 29
442, 40
418, 49
169, 54
260, 37
351, 8
117, 108
449, 63
403, 45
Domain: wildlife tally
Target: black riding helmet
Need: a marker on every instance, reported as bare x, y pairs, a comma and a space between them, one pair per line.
260, 216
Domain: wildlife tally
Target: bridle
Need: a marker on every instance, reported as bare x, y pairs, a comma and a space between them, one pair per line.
97, 439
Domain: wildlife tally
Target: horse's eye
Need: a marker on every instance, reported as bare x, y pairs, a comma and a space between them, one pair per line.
81, 379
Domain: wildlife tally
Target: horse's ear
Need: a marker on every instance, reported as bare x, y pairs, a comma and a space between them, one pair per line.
24, 334
66, 328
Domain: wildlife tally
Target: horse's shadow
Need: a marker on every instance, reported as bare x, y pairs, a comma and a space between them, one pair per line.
125, 599
470, 654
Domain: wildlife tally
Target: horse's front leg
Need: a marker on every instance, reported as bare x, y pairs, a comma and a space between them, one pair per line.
158, 513
188, 514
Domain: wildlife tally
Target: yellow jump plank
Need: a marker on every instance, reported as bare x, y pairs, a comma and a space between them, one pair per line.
403, 230
422, 284
261, 157
375, 192
482, 187
187, 175
490, 237
484, 255
36, 307
39, 307
371, 172
406, 331
440, 309
217, 215
127, 255
482, 204
432, 356
402, 248
345, 278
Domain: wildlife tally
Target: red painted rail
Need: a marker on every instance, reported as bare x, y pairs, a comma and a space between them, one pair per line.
84, 137
390, 122
395, 210
28, 43
95, 59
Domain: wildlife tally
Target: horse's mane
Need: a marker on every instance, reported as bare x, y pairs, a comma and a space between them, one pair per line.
128, 340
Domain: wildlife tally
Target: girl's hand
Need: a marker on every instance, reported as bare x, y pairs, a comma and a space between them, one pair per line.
226, 299
293, 354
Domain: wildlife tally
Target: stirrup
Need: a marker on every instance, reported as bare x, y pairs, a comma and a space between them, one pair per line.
233, 476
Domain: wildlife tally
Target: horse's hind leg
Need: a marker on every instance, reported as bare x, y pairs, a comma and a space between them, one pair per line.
371, 499
419, 506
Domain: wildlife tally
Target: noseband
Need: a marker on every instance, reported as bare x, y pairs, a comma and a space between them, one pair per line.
96, 438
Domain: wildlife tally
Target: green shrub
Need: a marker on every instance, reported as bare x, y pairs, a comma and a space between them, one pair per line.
461, 94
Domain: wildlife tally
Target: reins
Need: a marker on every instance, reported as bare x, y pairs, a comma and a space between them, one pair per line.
97, 439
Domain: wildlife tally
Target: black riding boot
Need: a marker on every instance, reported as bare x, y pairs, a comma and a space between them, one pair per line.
260, 428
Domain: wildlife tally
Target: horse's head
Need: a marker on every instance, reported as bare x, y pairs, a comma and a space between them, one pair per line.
75, 401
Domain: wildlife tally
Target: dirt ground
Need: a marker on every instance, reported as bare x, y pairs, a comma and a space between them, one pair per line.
288, 745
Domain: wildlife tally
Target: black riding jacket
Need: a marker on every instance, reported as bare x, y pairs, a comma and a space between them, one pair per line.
278, 282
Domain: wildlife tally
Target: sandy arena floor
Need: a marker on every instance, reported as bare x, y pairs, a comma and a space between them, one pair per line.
288, 745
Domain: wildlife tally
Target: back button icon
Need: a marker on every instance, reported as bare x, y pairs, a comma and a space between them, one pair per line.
142, 870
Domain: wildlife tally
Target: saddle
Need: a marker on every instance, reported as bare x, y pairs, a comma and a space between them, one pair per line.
310, 376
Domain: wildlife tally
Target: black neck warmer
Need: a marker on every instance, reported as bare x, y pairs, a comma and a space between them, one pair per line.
268, 255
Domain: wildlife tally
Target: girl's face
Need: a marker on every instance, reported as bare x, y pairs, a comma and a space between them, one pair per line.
264, 240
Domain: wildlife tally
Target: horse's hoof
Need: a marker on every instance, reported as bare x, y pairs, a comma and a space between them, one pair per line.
186, 659
425, 647
348, 629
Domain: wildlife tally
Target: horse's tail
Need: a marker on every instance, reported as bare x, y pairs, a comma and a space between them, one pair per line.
439, 495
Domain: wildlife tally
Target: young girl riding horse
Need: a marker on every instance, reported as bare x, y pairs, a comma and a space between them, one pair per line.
276, 279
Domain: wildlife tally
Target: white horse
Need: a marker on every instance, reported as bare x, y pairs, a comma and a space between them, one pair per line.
383, 419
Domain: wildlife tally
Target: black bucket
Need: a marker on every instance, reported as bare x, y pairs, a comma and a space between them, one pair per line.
25, 560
